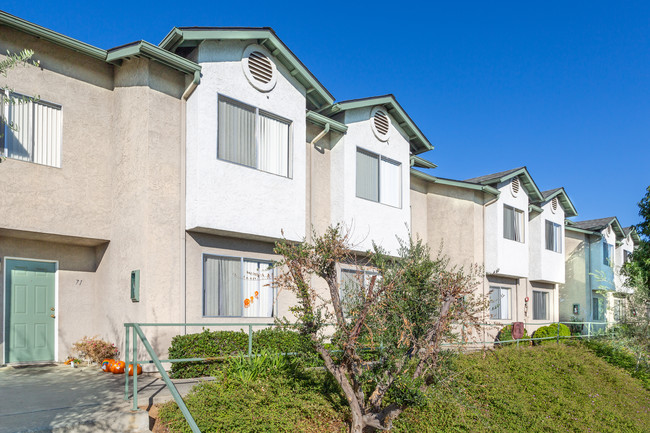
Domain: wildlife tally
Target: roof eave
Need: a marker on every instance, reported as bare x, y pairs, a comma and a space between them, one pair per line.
51, 36
460, 184
320, 120
153, 52
565, 202
529, 183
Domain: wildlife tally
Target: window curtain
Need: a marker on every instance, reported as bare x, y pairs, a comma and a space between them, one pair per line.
274, 145
390, 178
47, 135
539, 306
367, 175
19, 141
257, 292
236, 135
550, 238
222, 286
517, 218
597, 312
510, 223
499, 303
557, 235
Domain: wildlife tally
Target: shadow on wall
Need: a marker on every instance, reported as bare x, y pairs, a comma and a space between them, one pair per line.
227, 243
575, 286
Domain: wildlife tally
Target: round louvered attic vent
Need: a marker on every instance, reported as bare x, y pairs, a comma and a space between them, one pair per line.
609, 230
259, 68
514, 185
554, 205
380, 123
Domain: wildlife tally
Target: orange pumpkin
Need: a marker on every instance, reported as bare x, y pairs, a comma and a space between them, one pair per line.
118, 367
107, 364
139, 368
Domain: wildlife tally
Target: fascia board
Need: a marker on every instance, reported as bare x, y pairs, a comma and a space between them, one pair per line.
320, 120
456, 183
51, 36
153, 52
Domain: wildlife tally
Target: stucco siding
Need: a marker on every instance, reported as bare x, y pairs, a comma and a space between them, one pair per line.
233, 198
546, 265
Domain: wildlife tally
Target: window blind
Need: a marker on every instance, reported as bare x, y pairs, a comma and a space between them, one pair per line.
367, 175
540, 305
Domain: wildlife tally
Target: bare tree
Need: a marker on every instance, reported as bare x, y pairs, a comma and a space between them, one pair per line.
404, 309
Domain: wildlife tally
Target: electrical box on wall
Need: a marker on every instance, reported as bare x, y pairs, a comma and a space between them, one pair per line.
135, 286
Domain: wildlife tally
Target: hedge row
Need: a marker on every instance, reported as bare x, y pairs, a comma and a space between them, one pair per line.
209, 344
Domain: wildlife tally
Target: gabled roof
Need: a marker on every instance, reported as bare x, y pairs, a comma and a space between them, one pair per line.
419, 143
180, 37
631, 231
597, 225
526, 180
114, 55
563, 198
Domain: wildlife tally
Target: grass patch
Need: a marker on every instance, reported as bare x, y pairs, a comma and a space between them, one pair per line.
550, 388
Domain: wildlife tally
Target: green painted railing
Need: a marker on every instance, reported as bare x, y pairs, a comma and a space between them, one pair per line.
135, 329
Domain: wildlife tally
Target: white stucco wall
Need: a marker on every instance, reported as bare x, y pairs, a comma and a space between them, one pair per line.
368, 221
626, 245
227, 197
504, 256
546, 265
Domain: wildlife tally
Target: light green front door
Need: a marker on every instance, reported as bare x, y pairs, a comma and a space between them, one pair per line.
29, 311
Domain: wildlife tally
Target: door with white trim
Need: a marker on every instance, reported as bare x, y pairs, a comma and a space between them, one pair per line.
29, 310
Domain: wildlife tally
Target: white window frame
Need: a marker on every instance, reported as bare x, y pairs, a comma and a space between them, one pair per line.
258, 110
4, 127
608, 258
500, 290
380, 158
547, 301
241, 260
557, 236
522, 229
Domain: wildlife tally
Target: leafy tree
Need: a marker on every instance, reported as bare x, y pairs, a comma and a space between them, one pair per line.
637, 276
404, 310
13, 60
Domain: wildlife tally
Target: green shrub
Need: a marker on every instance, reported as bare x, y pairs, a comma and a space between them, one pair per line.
618, 354
551, 331
505, 334
222, 344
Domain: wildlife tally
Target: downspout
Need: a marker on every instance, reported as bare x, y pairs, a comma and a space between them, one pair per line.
311, 180
183, 193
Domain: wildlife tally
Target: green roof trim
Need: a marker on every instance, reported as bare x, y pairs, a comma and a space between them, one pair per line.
320, 120
114, 55
565, 202
577, 230
417, 161
179, 37
534, 208
51, 36
153, 52
456, 183
419, 143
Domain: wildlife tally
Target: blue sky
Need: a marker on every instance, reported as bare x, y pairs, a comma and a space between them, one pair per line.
561, 87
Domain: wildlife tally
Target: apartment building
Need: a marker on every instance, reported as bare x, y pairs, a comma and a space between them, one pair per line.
596, 251
505, 223
149, 183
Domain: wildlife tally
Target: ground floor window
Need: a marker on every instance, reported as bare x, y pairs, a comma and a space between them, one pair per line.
540, 305
237, 287
619, 309
499, 303
350, 281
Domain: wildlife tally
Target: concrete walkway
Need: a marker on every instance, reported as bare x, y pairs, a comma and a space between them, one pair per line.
57, 398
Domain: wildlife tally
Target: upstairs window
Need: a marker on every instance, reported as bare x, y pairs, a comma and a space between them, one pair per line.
237, 287
607, 253
627, 256
513, 224
553, 236
254, 138
379, 178
35, 134
499, 303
